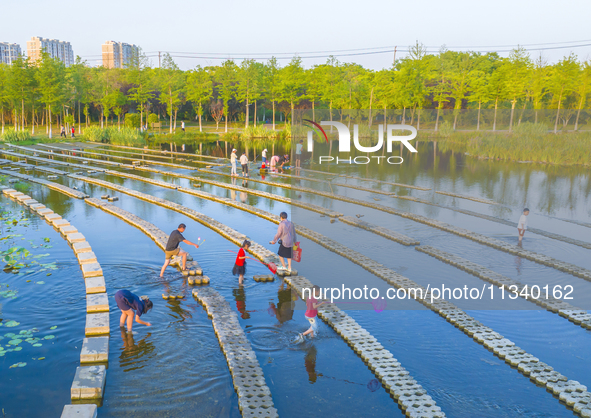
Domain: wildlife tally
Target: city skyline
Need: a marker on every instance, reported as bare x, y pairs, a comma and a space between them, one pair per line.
194, 37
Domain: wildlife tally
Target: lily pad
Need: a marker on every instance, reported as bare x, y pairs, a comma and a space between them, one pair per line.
37, 345
53, 327
41, 358
49, 337
15, 341
10, 324
20, 364
41, 282
9, 334
18, 348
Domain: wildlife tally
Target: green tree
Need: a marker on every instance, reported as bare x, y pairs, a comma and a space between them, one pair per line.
583, 89
170, 82
516, 71
271, 81
199, 89
539, 84
562, 82
247, 86
226, 77
50, 76
140, 77
4, 95
293, 82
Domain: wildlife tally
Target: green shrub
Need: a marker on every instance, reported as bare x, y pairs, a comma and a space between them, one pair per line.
125, 136
15, 136
95, 134
446, 129
132, 120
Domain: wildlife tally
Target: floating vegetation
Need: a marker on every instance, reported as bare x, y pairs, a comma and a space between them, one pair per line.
7, 293
19, 364
10, 324
53, 327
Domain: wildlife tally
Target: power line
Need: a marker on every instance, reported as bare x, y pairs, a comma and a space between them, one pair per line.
351, 52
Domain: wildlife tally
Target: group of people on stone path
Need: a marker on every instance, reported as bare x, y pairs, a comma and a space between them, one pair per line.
276, 162
132, 305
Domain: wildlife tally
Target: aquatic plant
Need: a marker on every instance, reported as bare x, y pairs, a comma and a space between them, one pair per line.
113, 135
11, 135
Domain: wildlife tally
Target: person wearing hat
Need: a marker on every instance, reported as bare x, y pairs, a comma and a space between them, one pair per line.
233, 159
265, 156
131, 304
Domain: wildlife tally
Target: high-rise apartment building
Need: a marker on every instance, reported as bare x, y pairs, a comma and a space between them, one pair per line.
56, 49
9, 52
118, 54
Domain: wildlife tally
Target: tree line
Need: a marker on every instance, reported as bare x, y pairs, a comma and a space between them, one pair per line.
46, 92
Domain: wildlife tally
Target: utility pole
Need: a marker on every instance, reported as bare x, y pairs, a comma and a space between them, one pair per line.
159, 59
395, 55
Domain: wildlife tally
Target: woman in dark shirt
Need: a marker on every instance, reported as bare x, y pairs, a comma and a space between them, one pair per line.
129, 304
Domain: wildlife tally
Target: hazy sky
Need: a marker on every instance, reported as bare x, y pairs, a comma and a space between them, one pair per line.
231, 29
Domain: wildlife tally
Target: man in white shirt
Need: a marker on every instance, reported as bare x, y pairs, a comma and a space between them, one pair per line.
233, 158
522, 224
265, 156
244, 162
299, 147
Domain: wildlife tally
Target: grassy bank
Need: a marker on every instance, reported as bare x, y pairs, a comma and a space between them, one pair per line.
540, 147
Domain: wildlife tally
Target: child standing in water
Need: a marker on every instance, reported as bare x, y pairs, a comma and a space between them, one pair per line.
311, 313
240, 264
522, 224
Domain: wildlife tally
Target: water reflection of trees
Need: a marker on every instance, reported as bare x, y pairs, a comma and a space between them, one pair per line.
548, 188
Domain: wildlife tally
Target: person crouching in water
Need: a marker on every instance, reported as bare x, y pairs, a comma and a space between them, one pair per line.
240, 264
132, 305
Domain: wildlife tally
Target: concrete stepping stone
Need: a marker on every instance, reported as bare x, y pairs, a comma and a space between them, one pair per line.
37, 206
52, 217
75, 237
97, 324
79, 411
23, 197
29, 202
95, 285
60, 222
91, 270
68, 229
86, 258
97, 302
89, 382
95, 350
81, 247
44, 212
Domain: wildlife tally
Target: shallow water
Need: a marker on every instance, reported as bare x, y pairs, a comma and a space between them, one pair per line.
176, 367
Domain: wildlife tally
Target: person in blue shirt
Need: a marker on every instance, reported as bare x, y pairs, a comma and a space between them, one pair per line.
132, 305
